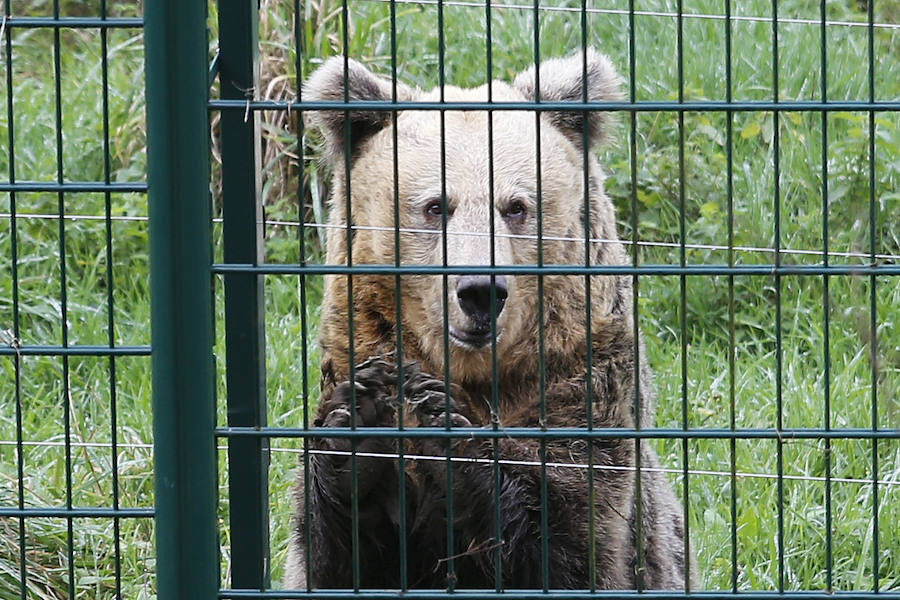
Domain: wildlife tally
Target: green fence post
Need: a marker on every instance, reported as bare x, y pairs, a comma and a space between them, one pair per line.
181, 296
245, 333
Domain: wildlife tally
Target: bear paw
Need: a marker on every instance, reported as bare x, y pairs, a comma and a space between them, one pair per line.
427, 401
372, 389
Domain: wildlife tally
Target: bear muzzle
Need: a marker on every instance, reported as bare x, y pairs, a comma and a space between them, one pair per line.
480, 297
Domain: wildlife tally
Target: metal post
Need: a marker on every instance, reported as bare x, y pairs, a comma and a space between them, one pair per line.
181, 295
245, 334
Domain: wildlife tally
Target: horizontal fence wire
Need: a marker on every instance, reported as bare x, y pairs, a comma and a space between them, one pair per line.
649, 269
546, 238
75, 512
558, 433
485, 461
13, 349
563, 594
71, 186
637, 106
643, 13
71, 23
136, 23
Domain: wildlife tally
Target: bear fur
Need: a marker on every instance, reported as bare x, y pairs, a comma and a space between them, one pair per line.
444, 171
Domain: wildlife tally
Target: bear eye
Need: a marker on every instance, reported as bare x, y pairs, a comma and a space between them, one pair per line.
435, 209
516, 210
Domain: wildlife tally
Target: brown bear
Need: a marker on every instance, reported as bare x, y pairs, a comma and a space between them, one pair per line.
478, 188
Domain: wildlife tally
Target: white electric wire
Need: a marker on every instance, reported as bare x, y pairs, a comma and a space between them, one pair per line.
490, 461
625, 242
546, 238
645, 13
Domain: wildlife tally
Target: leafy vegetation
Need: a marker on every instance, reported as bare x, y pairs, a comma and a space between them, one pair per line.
769, 360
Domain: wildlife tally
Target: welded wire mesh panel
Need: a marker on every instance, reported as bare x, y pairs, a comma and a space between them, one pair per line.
753, 169
76, 502
392, 258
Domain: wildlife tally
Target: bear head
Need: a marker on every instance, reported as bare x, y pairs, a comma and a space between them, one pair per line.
468, 188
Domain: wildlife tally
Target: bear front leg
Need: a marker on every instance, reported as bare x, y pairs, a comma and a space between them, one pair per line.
519, 496
533, 505
331, 483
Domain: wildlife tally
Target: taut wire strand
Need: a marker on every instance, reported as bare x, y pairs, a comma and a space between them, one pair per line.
551, 238
650, 13
489, 461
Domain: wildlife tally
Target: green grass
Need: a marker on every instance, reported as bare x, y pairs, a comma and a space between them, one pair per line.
703, 328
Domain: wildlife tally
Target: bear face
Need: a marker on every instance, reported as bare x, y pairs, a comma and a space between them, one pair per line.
492, 197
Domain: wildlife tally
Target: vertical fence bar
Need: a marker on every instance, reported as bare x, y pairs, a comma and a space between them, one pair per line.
682, 259
779, 354
303, 285
542, 367
403, 533
16, 319
588, 333
873, 297
497, 557
110, 302
445, 294
635, 293
245, 333
826, 306
181, 296
63, 301
351, 330
732, 413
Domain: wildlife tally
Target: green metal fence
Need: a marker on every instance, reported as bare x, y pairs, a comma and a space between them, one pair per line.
57, 331
211, 263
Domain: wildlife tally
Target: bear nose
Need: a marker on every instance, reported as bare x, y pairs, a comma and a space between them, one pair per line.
474, 294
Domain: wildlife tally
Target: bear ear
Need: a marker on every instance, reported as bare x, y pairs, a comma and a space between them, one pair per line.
328, 82
563, 80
